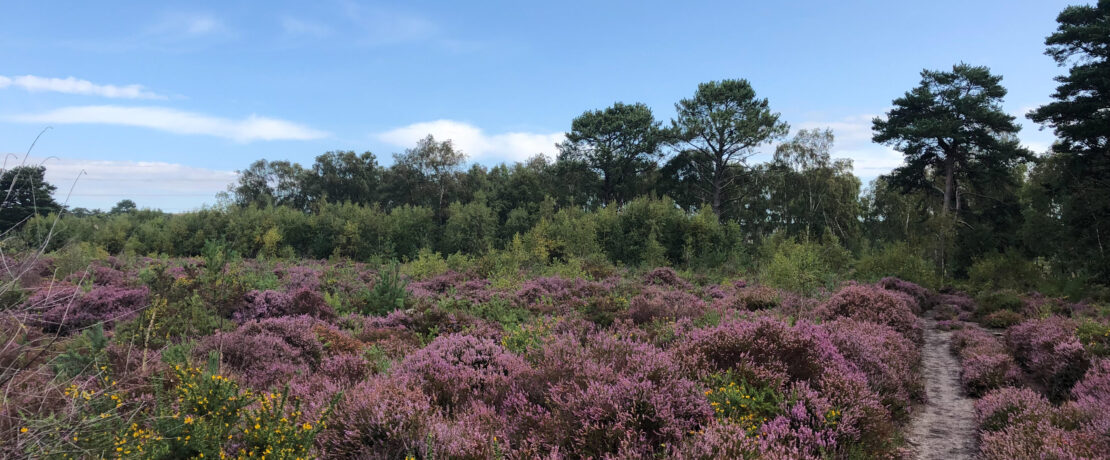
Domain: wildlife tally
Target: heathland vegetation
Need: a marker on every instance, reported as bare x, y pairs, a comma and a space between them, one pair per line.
648, 293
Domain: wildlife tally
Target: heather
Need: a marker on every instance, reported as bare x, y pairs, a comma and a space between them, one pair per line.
636, 364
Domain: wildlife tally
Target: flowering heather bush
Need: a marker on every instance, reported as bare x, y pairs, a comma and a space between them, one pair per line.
456, 369
985, 364
548, 295
1092, 394
949, 325
475, 433
271, 304
919, 293
874, 304
296, 277
750, 298
959, 301
382, 418
106, 304
666, 277
453, 285
268, 351
767, 351
890, 361
655, 303
1020, 423
1050, 350
600, 395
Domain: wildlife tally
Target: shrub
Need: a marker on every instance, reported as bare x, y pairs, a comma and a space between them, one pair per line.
664, 304
896, 260
103, 304
919, 293
456, 369
985, 364
666, 277
271, 304
1002, 300
1095, 335
383, 417
1009, 406
1002, 319
890, 361
1010, 270
802, 267
389, 293
1050, 350
874, 304
750, 298
598, 395
268, 351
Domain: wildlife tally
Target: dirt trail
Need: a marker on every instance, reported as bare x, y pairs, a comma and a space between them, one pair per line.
943, 428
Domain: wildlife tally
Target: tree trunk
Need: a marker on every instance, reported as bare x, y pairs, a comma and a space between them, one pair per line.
949, 182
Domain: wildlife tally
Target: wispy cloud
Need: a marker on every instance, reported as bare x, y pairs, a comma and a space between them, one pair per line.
480, 146
251, 128
179, 25
383, 26
72, 85
301, 27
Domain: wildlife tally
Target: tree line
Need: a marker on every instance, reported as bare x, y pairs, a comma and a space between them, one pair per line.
967, 189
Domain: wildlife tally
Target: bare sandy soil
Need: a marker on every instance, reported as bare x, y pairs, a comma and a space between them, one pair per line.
943, 428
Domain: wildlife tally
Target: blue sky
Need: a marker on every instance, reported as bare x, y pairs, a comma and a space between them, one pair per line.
161, 102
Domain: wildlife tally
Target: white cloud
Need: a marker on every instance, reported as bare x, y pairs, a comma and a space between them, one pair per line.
251, 128
180, 25
853, 141
102, 183
294, 26
508, 147
73, 85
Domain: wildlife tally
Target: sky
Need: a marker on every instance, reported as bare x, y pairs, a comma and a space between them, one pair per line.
161, 102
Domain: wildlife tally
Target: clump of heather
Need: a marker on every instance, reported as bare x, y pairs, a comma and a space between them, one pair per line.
551, 295
890, 361
269, 351
655, 303
750, 298
297, 277
666, 277
103, 304
599, 395
1050, 350
959, 301
916, 291
380, 418
455, 286
985, 363
874, 304
1020, 423
271, 304
769, 352
456, 369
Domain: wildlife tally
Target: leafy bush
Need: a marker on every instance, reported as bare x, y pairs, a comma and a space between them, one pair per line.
1002, 319
1010, 270
802, 267
896, 260
1095, 336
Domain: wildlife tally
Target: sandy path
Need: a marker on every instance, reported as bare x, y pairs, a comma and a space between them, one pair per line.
944, 428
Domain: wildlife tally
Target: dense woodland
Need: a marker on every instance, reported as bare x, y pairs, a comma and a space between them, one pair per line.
652, 292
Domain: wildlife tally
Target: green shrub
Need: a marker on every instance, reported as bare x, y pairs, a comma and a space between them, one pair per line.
524, 337
1095, 337
388, 294
1009, 270
992, 301
804, 266
427, 264
737, 402
164, 323
899, 260
84, 355
1002, 319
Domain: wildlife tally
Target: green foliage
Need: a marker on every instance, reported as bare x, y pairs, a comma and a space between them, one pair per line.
84, 355
1003, 300
899, 260
526, 336
736, 401
1007, 270
428, 264
389, 292
273, 429
167, 322
1095, 337
26, 194
803, 266
1002, 319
